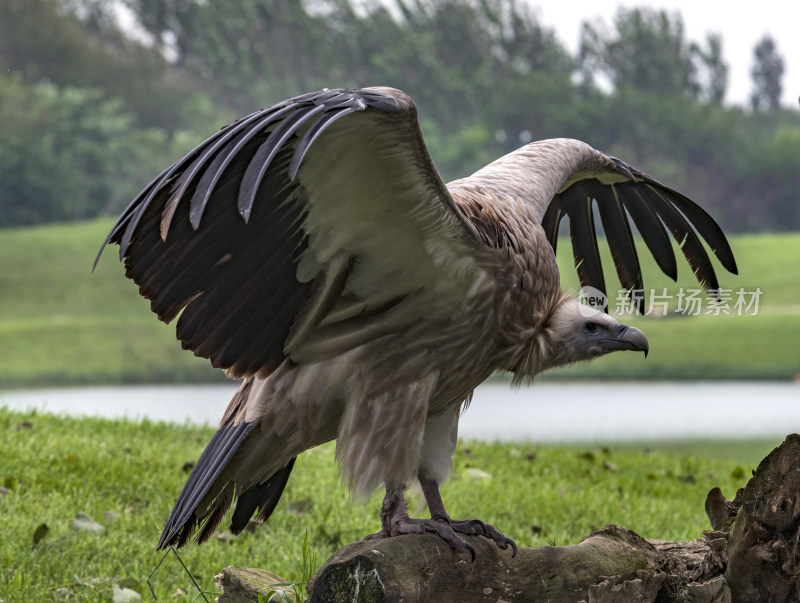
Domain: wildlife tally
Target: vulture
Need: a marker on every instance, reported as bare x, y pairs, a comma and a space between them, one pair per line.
313, 251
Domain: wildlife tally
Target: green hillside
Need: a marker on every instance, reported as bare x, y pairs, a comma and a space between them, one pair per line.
62, 324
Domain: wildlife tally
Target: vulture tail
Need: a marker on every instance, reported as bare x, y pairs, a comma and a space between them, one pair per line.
184, 517
263, 496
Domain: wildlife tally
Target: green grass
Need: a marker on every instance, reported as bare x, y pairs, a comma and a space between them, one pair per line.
126, 475
61, 324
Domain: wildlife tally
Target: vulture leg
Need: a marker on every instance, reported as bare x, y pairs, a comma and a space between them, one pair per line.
469, 527
439, 443
396, 522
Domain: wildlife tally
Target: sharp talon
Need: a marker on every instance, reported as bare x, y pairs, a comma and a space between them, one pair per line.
478, 522
470, 549
513, 547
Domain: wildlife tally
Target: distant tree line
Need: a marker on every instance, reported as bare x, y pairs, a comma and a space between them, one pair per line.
94, 105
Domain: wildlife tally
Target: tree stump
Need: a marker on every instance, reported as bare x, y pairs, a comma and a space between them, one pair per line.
752, 554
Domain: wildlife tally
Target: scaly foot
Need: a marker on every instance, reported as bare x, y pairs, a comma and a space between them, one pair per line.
475, 527
469, 527
403, 524
395, 522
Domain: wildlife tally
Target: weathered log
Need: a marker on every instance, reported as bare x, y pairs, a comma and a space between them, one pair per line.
753, 554
763, 554
423, 568
613, 564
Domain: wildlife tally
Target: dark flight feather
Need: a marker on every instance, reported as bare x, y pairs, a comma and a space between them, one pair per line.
263, 496
215, 457
685, 235
550, 223
211, 176
578, 206
650, 228
209, 148
705, 226
211, 522
620, 242
262, 159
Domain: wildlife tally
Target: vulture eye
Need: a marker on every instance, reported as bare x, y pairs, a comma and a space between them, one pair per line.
591, 327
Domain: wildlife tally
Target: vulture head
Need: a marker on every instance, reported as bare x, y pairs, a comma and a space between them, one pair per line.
573, 332
583, 333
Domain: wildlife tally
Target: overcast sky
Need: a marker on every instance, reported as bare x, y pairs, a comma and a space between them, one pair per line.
741, 24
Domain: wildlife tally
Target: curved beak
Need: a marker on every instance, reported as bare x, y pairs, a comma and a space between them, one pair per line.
630, 338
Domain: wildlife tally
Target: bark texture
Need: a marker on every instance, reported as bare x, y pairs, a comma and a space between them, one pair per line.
763, 557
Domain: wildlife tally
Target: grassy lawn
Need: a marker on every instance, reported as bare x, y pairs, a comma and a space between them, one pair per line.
61, 324
126, 476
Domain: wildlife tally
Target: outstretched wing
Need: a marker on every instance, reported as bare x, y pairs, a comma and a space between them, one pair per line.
619, 192
297, 231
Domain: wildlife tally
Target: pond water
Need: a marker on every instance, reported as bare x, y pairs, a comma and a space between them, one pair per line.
545, 412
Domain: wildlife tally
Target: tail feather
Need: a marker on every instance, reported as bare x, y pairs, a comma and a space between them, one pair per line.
183, 535
215, 457
263, 496
211, 522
